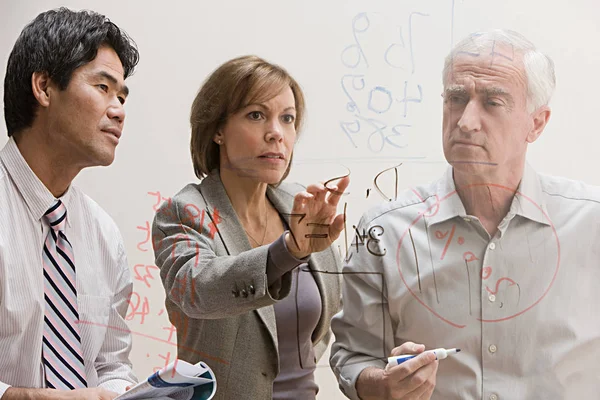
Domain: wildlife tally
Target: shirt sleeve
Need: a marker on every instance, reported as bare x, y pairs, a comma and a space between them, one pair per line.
362, 329
112, 363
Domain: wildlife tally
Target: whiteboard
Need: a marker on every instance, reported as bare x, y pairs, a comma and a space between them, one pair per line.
371, 72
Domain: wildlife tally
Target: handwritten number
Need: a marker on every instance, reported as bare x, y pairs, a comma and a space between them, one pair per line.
374, 233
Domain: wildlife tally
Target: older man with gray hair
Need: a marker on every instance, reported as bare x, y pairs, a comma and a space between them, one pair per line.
494, 258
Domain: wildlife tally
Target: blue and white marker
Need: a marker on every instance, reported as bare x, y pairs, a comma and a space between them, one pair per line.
440, 354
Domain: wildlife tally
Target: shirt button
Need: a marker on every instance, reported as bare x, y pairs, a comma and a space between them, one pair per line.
467, 219
492, 298
492, 246
493, 397
493, 348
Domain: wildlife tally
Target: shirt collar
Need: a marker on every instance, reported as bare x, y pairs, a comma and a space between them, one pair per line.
446, 203
37, 196
528, 202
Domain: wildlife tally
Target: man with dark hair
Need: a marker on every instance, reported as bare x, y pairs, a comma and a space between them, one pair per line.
64, 279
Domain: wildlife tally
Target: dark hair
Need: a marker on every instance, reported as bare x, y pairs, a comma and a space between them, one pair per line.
57, 42
231, 87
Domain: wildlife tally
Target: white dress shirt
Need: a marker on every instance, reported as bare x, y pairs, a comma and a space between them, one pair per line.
103, 281
520, 305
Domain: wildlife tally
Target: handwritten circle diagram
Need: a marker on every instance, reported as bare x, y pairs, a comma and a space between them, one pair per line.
486, 270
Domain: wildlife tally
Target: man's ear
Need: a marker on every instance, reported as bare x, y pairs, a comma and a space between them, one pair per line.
540, 119
40, 86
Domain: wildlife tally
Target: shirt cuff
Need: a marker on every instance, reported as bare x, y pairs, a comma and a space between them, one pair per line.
3, 388
117, 385
349, 375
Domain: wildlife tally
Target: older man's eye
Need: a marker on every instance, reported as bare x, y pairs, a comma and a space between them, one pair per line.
457, 100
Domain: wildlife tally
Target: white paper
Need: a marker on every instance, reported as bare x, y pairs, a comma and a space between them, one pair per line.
178, 381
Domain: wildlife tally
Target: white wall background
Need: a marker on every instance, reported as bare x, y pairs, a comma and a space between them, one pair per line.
342, 53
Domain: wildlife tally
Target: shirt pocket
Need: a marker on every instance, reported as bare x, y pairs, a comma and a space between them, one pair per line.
94, 312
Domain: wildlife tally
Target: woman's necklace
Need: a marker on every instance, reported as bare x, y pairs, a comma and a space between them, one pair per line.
264, 232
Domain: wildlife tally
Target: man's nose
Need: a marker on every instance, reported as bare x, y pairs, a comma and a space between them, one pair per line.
470, 120
116, 111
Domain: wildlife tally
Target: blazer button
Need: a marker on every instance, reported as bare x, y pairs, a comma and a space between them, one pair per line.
251, 289
244, 293
236, 293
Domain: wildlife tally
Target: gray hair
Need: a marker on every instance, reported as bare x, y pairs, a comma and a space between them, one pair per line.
538, 67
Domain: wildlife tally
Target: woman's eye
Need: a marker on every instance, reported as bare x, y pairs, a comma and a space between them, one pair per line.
255, 115
288, 118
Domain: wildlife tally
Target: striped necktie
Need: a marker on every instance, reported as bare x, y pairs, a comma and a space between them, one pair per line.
61, 347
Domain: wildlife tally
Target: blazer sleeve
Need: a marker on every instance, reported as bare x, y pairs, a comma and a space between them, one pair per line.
200, 282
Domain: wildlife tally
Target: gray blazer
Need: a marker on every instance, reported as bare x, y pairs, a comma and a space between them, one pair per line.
217, 291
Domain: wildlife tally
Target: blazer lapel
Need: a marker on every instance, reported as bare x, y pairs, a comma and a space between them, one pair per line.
233, 236
229, 229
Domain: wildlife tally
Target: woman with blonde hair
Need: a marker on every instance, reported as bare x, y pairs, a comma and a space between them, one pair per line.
240, 252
